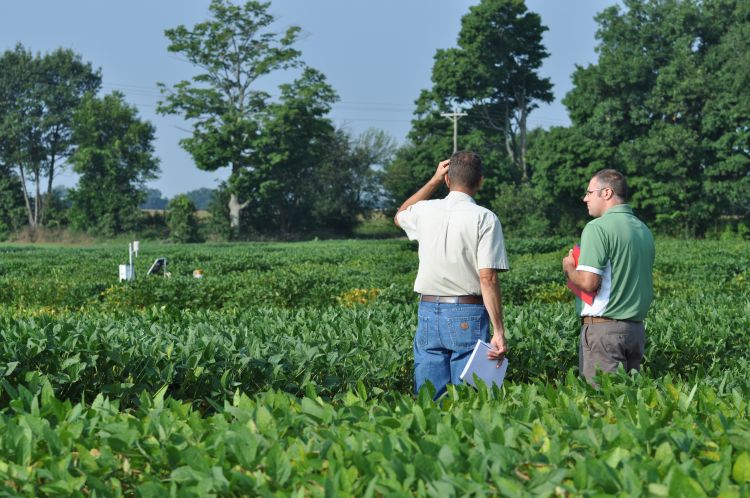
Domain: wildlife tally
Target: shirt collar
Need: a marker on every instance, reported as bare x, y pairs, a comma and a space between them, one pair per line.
460, 196
619, 208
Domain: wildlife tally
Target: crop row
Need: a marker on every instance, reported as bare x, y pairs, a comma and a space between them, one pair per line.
635, 437
315, 274
206, 356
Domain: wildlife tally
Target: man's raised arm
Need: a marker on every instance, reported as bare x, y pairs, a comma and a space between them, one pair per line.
427, 189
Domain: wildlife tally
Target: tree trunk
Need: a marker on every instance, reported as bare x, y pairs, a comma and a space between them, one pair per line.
48, 197
29, 212
509, 148
522, 153
235, 207
37, 200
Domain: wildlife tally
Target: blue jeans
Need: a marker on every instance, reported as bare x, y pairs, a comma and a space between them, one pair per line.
446, 336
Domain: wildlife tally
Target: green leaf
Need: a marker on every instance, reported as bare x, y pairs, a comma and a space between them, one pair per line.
657, 489
741, 468
683, 485
152, 490
445, 456
315, 410
10, 367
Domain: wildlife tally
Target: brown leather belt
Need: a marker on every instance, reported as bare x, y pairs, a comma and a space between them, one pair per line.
590, 320
452, 299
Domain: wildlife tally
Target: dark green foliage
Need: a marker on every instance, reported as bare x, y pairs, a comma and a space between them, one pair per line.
38, 97
292, 173
492, 76
521, 211
493, 73
12, 210
281, 187
218, 224
346, 185
563, 160
114, 158
58, 208
232, 49
664, 105
181, 220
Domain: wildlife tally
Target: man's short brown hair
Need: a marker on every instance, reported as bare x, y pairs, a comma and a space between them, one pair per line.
615, 180
465, 169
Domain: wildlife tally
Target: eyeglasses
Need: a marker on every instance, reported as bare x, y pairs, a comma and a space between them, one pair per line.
589, 192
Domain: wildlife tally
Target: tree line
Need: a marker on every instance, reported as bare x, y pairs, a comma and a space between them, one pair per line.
666, 103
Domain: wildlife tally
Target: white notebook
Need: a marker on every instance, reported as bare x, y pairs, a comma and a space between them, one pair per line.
485, 368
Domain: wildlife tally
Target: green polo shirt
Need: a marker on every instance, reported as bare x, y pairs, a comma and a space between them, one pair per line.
619, 248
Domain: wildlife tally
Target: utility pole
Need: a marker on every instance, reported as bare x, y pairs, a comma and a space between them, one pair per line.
455, 115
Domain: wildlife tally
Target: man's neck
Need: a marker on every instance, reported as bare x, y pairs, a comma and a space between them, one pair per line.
468, 192
610, 205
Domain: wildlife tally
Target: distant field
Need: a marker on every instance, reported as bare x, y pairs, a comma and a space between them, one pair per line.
287, 369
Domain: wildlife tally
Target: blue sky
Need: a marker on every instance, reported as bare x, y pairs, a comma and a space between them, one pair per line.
376, 54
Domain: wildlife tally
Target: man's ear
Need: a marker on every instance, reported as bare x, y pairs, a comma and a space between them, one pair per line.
447, 181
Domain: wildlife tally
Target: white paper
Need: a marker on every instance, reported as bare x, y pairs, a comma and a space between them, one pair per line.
485, 368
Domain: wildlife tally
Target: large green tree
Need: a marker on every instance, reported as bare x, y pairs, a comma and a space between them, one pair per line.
667, 103
492, 76
38, 96
563, 159
292, 142
232, 50
114, 157
726, 180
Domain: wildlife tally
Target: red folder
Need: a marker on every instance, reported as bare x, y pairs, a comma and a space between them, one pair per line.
586, 297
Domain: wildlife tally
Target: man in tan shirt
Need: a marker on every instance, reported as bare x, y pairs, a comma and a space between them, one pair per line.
461, 251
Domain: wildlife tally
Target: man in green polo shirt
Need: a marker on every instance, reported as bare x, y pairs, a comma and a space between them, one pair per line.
616, 263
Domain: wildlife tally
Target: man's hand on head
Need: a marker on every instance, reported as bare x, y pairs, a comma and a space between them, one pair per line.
441, 171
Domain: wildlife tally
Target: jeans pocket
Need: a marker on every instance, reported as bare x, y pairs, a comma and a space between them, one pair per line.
422, 335
465, 331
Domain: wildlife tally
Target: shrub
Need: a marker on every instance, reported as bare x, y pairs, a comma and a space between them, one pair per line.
181, 220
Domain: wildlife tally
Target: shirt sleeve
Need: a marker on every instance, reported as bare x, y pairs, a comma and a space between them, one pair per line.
407, 220
593, 256
491, 248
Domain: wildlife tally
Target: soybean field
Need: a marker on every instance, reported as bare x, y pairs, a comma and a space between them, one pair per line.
286, 370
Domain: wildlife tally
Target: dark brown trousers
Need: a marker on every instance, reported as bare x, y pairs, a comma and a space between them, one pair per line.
607, 345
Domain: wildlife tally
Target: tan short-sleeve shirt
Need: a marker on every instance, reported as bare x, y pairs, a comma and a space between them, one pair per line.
456, 239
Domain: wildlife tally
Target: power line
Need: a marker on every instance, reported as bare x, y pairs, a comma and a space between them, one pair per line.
364, 107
